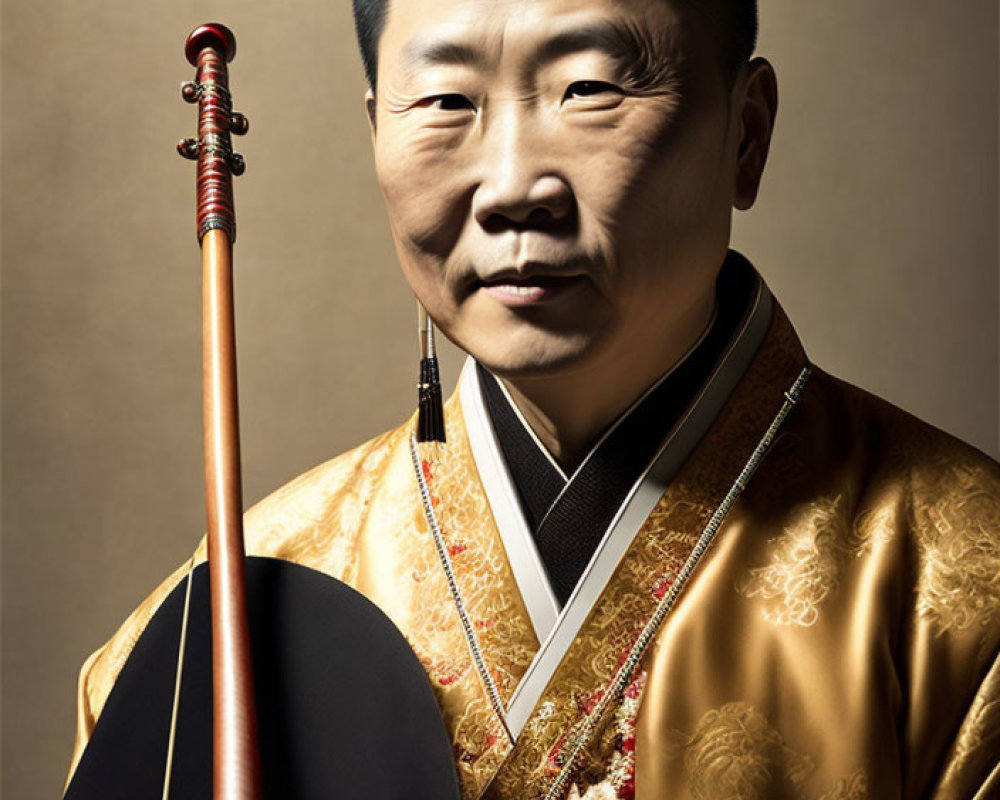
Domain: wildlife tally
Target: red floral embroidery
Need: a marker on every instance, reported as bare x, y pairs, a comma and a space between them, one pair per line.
425, 465
619, 774
634, 689
457, 549
661, 587
623, 763
592, 701
444, 674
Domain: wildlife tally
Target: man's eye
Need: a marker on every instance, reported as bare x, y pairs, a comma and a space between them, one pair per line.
447, 102
583, 89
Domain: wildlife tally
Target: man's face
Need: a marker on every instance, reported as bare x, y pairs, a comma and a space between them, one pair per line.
558, 173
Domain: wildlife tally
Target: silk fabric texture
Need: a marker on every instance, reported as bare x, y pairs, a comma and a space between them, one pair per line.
837, 641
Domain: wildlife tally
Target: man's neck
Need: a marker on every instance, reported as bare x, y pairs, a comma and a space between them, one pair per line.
569, 412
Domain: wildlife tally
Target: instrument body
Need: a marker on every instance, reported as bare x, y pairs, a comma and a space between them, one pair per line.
345, 708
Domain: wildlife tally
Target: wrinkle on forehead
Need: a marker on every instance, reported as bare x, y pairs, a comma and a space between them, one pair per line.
476, 33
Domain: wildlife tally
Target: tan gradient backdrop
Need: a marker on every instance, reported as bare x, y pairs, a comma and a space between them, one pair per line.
877, 228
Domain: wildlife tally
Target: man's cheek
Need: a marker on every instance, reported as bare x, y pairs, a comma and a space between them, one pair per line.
427, 213
605, 186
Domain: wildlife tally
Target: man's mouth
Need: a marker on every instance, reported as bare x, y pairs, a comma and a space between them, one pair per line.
510, 290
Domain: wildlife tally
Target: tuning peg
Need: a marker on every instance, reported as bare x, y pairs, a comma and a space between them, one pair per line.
190, 91
188, 148
238, 123
237, 165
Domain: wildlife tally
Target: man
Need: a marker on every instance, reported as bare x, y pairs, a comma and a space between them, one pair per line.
659, 555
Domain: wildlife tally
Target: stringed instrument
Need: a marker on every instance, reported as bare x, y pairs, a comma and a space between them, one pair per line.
256, 677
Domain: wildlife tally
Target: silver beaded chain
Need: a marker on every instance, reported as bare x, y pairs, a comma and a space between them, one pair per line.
467, 627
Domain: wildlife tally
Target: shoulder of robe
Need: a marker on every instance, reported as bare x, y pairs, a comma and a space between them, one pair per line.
313, 519
937, 496
856, 429
310, 520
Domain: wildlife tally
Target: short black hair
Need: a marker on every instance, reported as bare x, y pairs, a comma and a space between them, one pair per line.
737, 22
369, 20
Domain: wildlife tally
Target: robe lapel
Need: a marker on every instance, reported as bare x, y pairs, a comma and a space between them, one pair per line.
666, 458
663, 548
498, 485
499, 637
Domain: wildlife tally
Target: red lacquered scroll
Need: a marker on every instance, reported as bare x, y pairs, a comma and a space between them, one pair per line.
236, 774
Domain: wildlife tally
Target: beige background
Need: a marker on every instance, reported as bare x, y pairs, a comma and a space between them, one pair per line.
877, 229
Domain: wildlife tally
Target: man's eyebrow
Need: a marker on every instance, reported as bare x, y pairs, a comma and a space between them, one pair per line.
431, 51
617, 40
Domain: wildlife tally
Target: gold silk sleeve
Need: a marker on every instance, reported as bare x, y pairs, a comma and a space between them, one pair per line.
86, 717
972, 768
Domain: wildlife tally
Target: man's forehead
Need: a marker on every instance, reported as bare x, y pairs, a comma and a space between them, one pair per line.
416, 28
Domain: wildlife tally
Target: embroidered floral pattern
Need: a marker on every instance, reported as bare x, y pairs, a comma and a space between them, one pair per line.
735, 754
852, 788
804, 565
501, 624
599, 791
808, 558
618, 782
959, 540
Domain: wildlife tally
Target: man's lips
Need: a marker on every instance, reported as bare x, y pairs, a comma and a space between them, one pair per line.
522, 290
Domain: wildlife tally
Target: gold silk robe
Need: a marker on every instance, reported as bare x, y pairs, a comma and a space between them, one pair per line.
821, 625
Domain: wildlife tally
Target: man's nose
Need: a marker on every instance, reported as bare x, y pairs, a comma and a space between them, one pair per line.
519, 186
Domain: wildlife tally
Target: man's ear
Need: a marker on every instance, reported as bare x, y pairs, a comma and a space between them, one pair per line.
370, 110
758, 106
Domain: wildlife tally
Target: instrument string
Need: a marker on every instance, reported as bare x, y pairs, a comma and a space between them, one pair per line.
179, 673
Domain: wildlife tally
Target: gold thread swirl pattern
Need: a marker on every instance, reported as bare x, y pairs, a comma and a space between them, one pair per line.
958, 534
804, 565
735, 754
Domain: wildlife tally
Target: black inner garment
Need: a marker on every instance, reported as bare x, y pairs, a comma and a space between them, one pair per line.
568, 519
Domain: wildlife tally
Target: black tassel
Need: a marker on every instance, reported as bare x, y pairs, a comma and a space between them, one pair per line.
430, 415
430, 411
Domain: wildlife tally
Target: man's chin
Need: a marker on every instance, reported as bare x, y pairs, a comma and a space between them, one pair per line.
531, 356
